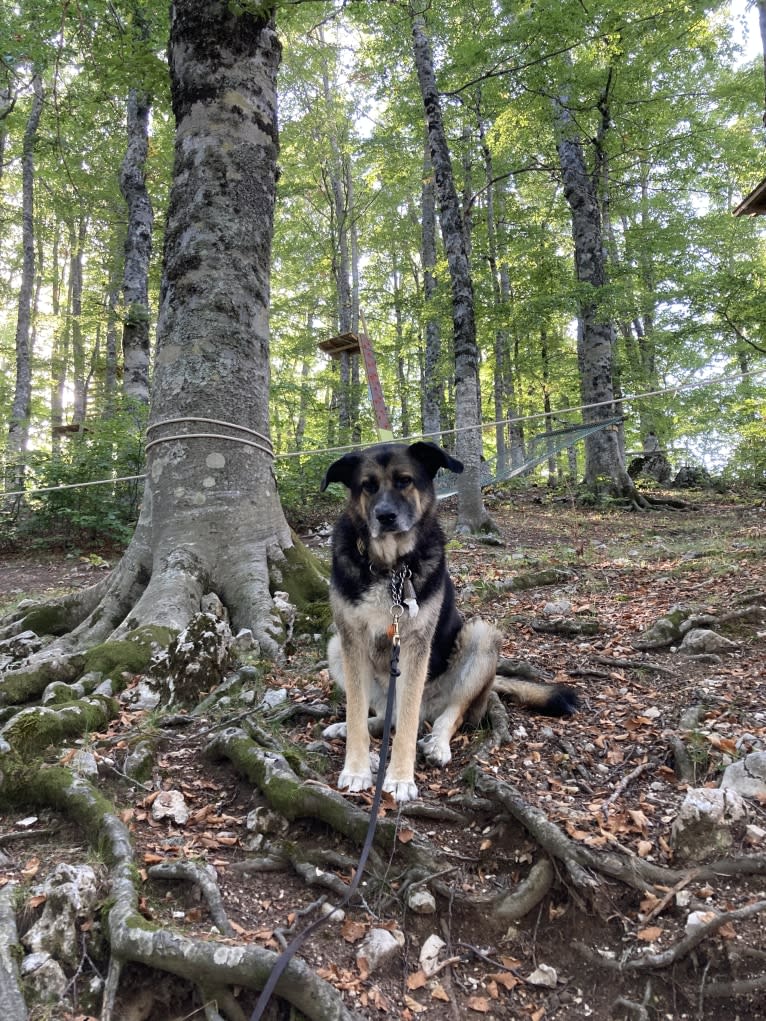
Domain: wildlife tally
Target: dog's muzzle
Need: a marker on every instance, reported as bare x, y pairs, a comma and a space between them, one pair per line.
388, 515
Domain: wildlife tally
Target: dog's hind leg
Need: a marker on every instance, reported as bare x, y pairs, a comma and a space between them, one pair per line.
463, 689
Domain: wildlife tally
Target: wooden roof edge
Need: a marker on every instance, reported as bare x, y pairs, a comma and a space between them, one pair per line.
753, 203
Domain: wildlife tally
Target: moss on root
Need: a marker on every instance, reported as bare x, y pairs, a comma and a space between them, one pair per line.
48, 619
131, 654
302, 575
32, 730
28, 683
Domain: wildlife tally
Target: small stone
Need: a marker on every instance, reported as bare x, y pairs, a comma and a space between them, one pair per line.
557, 608
422, 902
378, 948
697, 919
755, 834
545, 976
429, 954
244, 641
170, 805
338, 914
273, 698
139, 761
84, 763
265, 820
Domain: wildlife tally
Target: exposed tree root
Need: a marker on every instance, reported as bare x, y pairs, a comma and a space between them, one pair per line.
666, 958
585, 865
201, 876
209, 964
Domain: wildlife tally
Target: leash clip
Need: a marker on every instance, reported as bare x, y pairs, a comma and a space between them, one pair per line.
393, 629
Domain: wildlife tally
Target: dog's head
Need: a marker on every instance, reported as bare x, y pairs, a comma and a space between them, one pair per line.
391, 485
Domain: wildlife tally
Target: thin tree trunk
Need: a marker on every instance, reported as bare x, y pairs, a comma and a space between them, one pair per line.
60, 352
401, 375
472, 515
433, 389
18, 429
342, 264
138, 250
80, 398
595, 336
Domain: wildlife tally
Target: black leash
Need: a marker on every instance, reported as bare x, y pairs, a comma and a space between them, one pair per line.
284, 958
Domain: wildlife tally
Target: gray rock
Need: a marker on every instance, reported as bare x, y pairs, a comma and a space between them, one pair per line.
139, 761
273, 698
170, 805
747, 776
264, 820
703, 641
422, 902
557, 608
378, 948
84, 763
707, 823
71, 892
429, 954
44, 977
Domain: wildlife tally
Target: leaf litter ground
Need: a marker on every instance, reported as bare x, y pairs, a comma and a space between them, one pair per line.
605, 776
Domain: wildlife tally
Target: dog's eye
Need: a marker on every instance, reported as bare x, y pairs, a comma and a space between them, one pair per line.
370, 486
402, 481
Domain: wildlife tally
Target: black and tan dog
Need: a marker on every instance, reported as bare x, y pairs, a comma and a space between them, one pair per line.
389, 535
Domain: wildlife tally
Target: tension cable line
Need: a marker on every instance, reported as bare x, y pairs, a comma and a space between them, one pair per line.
678, 388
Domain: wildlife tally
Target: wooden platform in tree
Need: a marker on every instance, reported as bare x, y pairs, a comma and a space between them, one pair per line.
335, 346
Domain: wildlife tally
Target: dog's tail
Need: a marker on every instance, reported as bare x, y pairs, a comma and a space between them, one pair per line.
549, 699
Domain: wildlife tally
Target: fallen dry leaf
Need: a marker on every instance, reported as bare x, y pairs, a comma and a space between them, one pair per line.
478, 1003
439, 993
416, 980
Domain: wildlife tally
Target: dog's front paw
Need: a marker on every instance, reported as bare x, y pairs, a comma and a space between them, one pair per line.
334, 730
402, 790
353, 782
436, 751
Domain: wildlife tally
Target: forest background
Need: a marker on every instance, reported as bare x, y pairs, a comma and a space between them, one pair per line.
667, 108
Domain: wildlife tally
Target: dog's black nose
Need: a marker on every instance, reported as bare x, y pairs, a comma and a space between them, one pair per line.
386, 518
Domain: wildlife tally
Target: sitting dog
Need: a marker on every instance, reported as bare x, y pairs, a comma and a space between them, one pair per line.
387, 548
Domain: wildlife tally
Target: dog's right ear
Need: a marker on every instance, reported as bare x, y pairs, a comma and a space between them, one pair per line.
342, 470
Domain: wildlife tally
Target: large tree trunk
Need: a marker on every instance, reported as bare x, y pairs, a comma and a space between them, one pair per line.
18, 430
138, 250
472, 516
595, 335
211, 519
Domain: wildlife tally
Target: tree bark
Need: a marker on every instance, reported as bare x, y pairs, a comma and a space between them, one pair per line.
433, 391
595, 335
18, 428
138, 250
80, 401
472, 516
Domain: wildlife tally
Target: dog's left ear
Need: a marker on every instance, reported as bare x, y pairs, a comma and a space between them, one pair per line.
341, 470
433, 458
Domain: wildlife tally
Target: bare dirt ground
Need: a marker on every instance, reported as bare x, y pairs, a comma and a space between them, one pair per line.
606, 777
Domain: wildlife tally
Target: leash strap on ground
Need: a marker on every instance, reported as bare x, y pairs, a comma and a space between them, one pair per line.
284, 958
